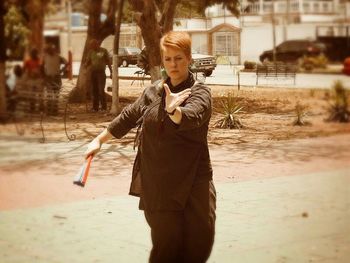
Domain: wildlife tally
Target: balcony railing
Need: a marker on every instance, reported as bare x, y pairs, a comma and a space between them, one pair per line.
295, 6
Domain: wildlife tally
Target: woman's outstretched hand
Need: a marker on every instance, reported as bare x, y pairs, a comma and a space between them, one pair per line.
173, 100
93, 148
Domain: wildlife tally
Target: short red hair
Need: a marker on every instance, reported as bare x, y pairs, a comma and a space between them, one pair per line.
178, 40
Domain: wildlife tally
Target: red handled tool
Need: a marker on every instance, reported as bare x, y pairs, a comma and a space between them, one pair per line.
81, 177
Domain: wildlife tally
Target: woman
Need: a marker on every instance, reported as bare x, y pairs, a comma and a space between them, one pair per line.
172, 172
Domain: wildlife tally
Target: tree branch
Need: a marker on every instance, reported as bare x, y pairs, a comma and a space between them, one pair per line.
108, 26
94, 25
168, 13
137, 5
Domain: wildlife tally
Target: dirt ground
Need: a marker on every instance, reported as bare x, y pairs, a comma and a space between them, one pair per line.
267, 146
268, 113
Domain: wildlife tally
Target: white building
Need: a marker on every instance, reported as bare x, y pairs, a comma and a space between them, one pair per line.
233, 40
295, 19
245, 38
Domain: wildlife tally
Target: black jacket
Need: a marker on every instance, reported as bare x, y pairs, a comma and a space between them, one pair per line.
171, 158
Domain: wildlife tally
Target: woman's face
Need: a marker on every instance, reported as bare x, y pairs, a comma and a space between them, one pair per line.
176, 64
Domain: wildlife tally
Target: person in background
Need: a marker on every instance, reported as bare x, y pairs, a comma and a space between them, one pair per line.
13, 84
97, 59
53, 66
172, 171
34, 80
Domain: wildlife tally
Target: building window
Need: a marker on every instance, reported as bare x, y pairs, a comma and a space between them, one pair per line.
221, 11
127, 40
294, 6
226, 43
199, 43
325, 8
306, 7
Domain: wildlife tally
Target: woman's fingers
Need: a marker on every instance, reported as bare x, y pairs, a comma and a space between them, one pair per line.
185, 91
184, 96
174, 100
167, 89
180, 100
89, 152
93, 148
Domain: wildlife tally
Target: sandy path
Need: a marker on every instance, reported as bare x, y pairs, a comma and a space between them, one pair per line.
48, 181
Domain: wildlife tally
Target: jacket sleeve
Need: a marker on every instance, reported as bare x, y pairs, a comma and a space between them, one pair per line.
128, 118
197, 108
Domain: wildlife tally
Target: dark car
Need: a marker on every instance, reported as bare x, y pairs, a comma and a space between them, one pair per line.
126, 56
293, 50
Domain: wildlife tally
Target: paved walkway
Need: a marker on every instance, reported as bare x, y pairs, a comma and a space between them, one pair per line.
224, 75
283, 202
304, 218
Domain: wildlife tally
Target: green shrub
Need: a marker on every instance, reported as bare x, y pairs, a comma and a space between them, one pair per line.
301, 112
222, 60
312, 62
249, 65
338, 110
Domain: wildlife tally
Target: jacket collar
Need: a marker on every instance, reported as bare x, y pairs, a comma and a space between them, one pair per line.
187, 83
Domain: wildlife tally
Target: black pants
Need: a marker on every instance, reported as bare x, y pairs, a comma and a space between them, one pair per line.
98, 81
188, 235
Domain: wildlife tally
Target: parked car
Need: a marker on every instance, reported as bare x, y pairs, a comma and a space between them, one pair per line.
203, 63
200, 63
293, 50
126, 56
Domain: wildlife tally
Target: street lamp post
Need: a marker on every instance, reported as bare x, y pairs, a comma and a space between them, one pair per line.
286, 21
273, 30
70, 55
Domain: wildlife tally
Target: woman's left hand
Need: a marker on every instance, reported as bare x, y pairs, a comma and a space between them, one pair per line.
173, 100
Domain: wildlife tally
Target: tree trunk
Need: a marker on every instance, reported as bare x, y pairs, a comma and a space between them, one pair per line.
155, 73
36, 12
151, 30
99, 31
3, 104
115, 91
151, 33
168, 14
3, 101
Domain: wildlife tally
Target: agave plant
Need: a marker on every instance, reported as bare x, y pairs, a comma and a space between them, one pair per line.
338, 109
301, 112
229, 118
